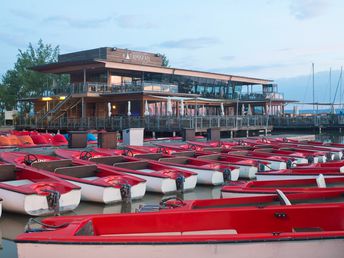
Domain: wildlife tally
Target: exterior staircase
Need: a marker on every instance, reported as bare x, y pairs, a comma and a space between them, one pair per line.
61, 108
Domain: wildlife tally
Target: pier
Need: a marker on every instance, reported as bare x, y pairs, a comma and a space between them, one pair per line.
314, 122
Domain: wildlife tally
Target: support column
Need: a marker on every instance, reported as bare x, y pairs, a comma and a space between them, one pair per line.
83, 108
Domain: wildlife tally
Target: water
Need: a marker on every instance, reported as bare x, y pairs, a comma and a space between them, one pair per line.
13, 224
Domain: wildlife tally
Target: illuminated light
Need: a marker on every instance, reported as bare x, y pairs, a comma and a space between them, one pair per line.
62, 97
46, 98
113, 107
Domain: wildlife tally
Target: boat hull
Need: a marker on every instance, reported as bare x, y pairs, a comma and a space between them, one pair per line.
37, 205
333, 248
205, 176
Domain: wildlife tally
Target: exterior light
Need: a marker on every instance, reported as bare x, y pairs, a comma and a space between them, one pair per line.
62, 97
113, 107
46, 98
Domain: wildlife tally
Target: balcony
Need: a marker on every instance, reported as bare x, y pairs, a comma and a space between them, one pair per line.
103, 88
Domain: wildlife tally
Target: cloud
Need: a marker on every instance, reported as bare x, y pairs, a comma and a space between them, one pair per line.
12, 40
245, 68
190, 43
307, 9
228, 58
77, 23
131, 21
23, 14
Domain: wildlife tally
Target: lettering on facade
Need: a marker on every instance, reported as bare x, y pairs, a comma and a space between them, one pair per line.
136, 57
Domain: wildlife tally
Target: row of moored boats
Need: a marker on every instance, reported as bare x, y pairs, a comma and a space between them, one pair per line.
277, 194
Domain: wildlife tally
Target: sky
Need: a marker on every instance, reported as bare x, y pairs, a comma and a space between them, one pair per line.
272, 39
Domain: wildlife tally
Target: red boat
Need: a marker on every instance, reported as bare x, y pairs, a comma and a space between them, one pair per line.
290, 231
32, 192
300, 173
276, 199
254, 188
98, 184
160, 178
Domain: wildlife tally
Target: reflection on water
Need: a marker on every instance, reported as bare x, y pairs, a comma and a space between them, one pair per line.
12, 224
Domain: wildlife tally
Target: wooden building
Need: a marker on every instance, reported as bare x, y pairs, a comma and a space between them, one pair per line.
108, 82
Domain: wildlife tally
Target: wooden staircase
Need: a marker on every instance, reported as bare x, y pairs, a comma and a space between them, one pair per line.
61, 108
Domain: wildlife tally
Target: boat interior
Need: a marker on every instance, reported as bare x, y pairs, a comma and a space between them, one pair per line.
7, 172
224, 222
67, 168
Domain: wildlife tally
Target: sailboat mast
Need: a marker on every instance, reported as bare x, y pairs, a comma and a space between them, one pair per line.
330, 82
313, 87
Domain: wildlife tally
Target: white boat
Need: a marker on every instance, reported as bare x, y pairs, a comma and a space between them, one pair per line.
31, 192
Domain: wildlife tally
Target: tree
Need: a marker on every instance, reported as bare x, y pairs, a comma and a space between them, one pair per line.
22, 82
165, 60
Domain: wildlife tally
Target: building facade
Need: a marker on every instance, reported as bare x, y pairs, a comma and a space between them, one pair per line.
111, 82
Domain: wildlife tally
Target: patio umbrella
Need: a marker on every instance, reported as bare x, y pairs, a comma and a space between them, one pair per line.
109, 109
146, 109
222, 110
182, 107
249, 110
169, 106
129, 108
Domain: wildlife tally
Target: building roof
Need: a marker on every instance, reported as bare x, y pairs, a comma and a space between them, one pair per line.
69, 67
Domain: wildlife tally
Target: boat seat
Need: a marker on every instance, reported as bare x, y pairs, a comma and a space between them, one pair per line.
185, 153
210, 157
178, 160
52, 165
7, 172
134, 165
215, 149
311, 229
153, 156
77, 171
107, 160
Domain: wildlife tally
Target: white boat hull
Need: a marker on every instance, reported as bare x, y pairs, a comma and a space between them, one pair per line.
37, 205
247, 172
205, 176
333, 248
157, 184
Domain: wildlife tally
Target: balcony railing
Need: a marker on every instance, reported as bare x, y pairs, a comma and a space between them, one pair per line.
103, 88
150, 123
262, 96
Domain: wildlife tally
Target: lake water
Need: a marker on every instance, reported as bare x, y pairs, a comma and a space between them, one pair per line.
13, 224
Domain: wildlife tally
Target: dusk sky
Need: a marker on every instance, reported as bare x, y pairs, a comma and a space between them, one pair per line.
260, 38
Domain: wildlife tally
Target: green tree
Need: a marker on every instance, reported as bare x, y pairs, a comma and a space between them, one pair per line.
22, 82
165, 60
